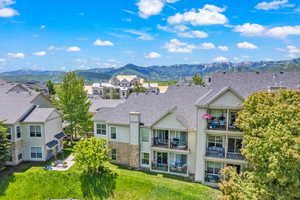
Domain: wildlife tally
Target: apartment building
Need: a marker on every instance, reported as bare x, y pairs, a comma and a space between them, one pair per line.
34, 126
189, 130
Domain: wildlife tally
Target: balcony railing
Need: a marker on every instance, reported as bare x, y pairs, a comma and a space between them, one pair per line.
178, 144
157, 142
159, 166
212, 178
216, 124
235, 156
178, 167
217, 152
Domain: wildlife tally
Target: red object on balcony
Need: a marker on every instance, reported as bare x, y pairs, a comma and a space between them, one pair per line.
207, 116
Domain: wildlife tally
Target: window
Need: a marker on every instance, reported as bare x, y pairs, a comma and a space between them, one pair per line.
113, 132
36, 152
35, 131
101, 129
20, 156
214, 167
144, 135
145, 158
9, 131
234, 145
18, 130
215, 141
114, 154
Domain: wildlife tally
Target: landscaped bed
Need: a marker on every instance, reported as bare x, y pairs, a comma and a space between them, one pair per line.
35, 183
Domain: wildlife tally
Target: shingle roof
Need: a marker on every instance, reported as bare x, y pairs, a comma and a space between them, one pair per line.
245, 83
152, 107
15, 101
39, 115
99, 103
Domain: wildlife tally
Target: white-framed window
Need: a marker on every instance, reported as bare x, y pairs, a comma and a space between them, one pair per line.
145, 158
18, 131
35, 131
214, 167
114, 154
144, 135
36, 152
113, 132
215, 141
101, 129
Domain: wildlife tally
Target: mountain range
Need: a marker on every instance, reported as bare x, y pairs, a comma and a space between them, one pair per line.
157, 73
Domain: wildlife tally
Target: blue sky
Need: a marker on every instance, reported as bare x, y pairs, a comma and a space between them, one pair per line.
67, 35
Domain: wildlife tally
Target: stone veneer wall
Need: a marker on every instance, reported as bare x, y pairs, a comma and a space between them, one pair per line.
127, 154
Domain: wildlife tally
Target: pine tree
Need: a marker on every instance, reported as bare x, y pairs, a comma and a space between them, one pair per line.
4, 146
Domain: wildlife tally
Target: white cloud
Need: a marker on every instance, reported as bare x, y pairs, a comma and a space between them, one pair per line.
176, 46
246, 45
16, 55
40, 53
2, 60
250, 29
148, 8
4, 3
283, 31
293, 51
223, 48
221, 59
273, 5
207, 45
208, 15
153, 55
193, 34
99, 42
280, 32
8, 12
142, 35
43, 26
181, 27
172, 1
73, 49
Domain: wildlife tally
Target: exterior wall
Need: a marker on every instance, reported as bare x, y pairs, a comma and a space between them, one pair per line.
53, 126
169, 122
192, 152
145, 147
228, 99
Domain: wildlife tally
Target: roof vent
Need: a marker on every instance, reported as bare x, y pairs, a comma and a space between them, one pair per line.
257, 72
224, 72
281, 72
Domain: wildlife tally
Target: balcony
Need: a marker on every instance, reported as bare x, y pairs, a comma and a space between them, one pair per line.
179, 144
235, 156
159, 166
178, 167
162, 143
221, 120
217, 152
212, 178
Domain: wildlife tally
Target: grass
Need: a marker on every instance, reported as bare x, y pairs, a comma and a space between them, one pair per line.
32, 182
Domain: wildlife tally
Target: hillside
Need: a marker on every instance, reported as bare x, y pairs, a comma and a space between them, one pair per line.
158, 73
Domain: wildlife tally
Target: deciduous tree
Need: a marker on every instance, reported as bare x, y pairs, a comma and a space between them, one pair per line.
271, 125
198, 80
91, 155
72, 100
4, 146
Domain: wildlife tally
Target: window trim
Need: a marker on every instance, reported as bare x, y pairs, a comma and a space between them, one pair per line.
115, 134
113, 154
35, 132
143, 158
18, 132
102, 129
37, 153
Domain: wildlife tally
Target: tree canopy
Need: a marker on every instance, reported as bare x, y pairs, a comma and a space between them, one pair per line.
72, 100
271, 125
197, 79
50, 87
91, 155
4, 146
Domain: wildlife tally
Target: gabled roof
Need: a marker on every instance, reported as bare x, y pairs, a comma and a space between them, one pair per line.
39, 115
153, 107
243, 84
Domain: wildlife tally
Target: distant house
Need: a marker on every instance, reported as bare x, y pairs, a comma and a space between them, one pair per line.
189, 130
33, 124
97, 103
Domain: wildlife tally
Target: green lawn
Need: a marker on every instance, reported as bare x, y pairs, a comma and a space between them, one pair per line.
120, 184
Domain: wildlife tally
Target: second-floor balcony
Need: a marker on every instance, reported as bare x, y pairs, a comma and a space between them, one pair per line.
177, 140
221, 119
217, 152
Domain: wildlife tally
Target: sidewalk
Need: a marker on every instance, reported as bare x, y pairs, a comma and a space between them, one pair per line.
70, 162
